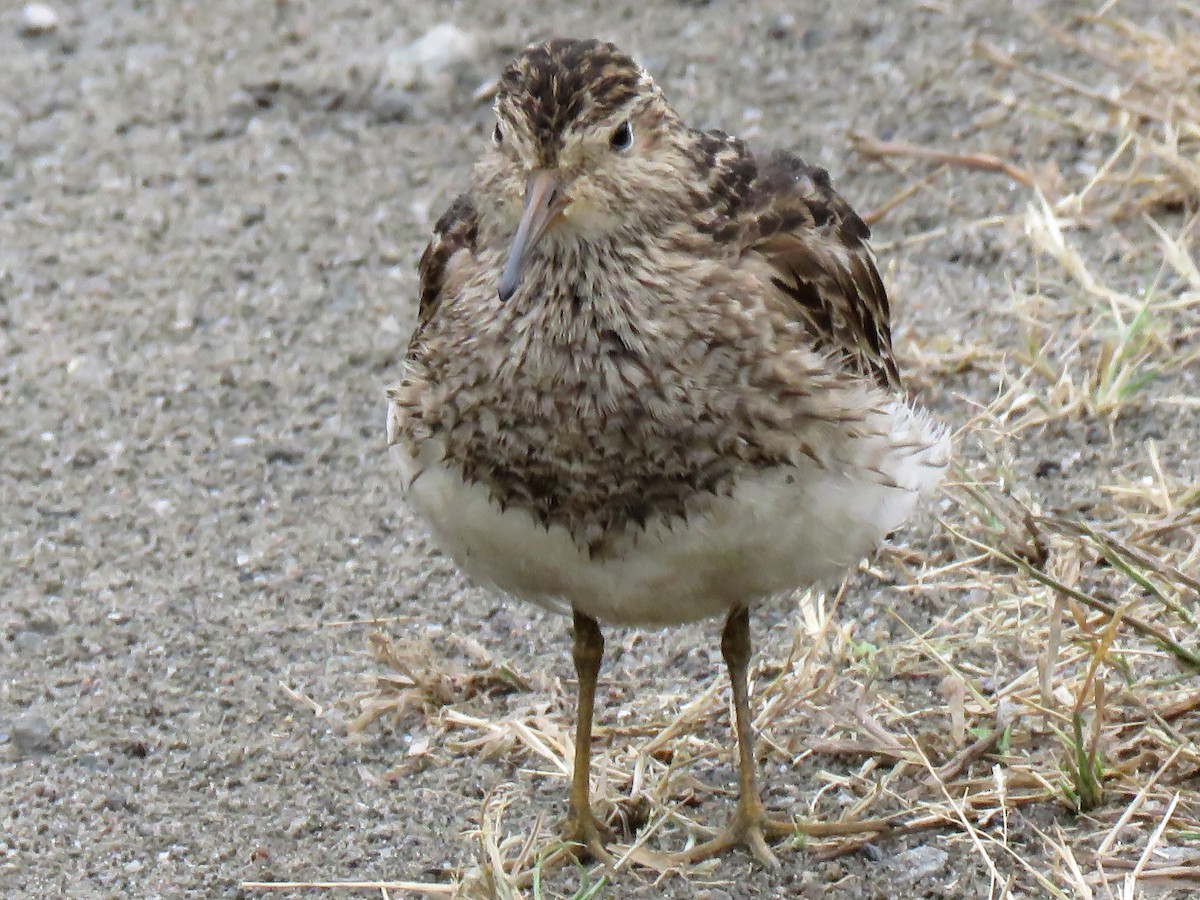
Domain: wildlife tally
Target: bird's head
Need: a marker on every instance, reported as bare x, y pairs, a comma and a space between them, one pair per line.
583, 145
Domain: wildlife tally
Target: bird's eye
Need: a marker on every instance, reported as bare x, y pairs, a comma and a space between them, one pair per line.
622, 138
497, 135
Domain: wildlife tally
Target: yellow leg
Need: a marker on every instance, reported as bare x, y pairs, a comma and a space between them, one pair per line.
582, 827
750, 826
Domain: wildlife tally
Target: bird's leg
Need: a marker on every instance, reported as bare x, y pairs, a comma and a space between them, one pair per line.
582, 827
750, 826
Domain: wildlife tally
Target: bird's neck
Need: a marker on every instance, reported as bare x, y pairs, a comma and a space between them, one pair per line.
589, 282
584, 316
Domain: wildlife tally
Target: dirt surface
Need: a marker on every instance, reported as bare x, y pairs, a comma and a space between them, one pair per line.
211, 216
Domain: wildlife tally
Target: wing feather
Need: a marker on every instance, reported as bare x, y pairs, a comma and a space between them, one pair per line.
787, 212
818, 246
454, 232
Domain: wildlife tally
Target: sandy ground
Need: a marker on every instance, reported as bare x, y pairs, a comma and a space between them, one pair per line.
211, 215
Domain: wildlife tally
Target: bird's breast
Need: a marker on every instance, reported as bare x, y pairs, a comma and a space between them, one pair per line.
579, 408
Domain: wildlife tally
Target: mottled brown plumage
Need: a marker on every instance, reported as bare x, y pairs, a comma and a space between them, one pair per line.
652, 378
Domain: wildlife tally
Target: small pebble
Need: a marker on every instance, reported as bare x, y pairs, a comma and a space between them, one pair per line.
1046, 467
32, 734
920, 862
253, 215
429, 57
91, 762
814, 37
28, 641
38, 18
115, 801
391, 105
782, 26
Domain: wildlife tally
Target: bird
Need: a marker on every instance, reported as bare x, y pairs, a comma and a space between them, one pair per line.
651, 382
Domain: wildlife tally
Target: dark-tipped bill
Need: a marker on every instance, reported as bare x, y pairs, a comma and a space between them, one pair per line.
543, 201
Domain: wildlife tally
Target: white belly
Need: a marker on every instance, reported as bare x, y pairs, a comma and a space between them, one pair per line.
779, 530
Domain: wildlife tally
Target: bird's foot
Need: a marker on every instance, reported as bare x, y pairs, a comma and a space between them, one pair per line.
751, 828
584, 831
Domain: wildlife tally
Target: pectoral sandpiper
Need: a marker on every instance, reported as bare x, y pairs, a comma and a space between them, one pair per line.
652, 380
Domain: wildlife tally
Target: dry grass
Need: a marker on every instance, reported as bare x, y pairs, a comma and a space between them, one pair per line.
1063, 752
1088, 619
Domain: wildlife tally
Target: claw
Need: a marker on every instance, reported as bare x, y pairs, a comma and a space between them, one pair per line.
583, 830
751, 828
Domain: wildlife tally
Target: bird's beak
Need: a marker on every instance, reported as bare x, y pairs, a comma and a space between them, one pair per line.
543, 201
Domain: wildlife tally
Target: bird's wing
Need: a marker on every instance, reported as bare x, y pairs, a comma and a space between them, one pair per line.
818, 246
788, 213
450, 250
453, 235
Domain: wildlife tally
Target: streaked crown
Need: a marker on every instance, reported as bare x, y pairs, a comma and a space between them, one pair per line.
567, 83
